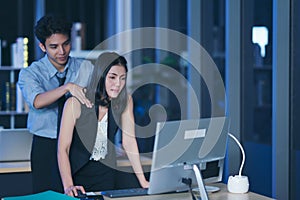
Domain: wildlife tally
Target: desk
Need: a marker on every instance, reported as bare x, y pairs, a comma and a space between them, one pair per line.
16, 176
124, 162
12, 167
223, 194
24, 166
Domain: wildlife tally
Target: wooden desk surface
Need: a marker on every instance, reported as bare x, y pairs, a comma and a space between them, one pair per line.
223, 194
11, 167
124, 162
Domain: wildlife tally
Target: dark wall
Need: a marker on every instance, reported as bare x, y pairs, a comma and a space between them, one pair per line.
16, 20
96, 15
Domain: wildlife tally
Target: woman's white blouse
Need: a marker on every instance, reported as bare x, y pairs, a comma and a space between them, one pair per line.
100, 148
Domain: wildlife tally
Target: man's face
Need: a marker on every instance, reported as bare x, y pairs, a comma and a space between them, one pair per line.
57, 47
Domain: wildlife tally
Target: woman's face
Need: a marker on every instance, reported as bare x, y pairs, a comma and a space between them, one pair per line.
115, 80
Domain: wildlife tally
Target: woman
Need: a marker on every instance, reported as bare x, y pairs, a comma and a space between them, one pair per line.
86, 153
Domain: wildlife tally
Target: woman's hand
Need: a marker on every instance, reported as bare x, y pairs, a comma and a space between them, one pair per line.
73, 190
144, 184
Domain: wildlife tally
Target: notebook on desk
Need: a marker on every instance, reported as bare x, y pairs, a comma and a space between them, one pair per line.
15, 145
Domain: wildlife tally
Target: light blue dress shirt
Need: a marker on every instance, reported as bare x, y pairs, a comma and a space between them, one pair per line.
38, 78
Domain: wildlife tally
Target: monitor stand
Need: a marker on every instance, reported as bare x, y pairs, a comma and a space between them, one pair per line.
200, 182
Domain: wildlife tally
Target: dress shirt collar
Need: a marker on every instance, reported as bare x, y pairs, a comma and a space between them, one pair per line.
52, 70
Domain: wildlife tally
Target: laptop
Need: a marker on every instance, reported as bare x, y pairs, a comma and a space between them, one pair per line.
198, 141
15, 145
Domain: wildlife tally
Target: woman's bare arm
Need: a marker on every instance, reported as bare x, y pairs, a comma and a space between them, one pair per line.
130, 144
71, 112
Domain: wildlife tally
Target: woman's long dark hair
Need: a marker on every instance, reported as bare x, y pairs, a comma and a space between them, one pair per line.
96, 90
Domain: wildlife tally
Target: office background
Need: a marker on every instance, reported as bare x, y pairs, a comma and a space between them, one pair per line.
262, 90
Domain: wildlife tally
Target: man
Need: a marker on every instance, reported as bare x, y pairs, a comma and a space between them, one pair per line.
42, 90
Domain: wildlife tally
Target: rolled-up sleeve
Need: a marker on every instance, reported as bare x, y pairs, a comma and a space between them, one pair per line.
39, 78
30, 86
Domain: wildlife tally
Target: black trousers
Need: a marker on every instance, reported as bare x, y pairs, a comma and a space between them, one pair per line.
95, 176
44, 165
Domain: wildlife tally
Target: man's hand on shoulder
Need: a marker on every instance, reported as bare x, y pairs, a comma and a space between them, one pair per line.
79, 92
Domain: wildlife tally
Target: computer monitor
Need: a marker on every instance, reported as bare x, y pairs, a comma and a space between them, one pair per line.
180, 146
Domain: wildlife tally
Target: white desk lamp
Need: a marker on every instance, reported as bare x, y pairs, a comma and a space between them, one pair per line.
238, 183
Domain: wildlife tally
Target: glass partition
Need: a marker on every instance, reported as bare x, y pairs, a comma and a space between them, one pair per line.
295, 102
256, 122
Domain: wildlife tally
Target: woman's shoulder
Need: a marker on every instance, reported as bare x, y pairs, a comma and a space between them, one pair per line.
72, 106
73, 101
129, 104
129, 98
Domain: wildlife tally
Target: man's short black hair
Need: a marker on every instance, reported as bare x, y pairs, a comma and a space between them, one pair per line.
51, 24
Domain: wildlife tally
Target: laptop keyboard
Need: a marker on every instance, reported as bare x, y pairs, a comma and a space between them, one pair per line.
125, 192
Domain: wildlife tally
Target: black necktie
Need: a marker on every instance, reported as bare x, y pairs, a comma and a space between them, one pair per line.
60, 102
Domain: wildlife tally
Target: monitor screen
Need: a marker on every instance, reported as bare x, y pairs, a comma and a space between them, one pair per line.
181, 144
